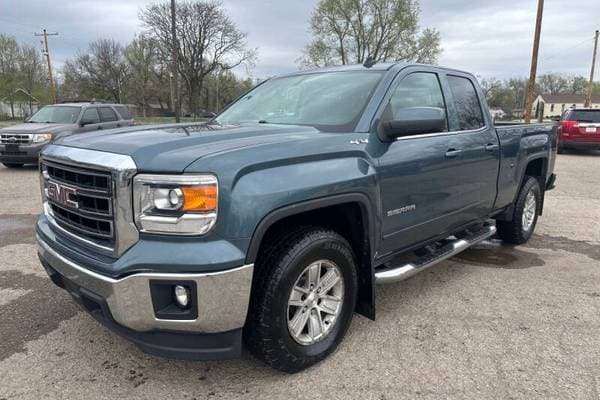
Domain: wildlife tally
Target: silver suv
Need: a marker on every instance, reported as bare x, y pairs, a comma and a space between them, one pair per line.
21, 144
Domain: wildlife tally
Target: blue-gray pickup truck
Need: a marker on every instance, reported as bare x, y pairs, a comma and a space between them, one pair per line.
271, 224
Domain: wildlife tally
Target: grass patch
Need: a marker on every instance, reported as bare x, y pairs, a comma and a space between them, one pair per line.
4, 124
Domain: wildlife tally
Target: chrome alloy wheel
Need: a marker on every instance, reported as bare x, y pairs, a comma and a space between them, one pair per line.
529, 211
315, 302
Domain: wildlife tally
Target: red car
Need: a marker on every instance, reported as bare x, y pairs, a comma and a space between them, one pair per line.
579, 130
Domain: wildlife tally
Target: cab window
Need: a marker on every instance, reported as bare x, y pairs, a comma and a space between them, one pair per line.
421, 89
466, 102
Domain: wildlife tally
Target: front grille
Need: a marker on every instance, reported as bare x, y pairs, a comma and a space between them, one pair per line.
15, 138
80, 200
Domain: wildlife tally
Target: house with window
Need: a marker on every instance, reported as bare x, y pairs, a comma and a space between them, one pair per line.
553, 105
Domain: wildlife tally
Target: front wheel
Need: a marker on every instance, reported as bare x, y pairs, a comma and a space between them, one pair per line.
527, 208
303, 299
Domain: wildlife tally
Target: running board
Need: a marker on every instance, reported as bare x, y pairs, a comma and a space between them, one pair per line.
405, 271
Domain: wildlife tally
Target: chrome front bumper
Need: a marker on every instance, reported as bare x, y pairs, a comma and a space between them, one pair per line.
222, 297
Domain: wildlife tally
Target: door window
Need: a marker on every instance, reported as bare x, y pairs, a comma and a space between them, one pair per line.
107, 114
466, 102
90, 116
421, 89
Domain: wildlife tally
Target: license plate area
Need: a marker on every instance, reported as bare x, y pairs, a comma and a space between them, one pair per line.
11, 148
590, 129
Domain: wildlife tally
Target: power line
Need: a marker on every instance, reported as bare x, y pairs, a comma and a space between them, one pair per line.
562, 53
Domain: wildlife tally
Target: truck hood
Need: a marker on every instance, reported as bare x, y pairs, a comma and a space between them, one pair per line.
171, 148
36, 128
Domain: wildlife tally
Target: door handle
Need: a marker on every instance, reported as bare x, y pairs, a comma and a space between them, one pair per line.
99, 127
451, 153
118, 125
491, 147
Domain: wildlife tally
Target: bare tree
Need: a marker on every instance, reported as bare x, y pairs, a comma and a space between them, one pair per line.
142, 56
32, 75
350, 31
207, 40
553, 83
9, 68
102, 70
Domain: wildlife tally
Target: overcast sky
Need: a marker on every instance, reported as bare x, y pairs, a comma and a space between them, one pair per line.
488, 38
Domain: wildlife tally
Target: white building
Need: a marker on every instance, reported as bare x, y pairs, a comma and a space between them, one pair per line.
553, 105
497, 113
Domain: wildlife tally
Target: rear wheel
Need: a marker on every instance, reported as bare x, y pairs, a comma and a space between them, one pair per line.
13, 165
303, 299
527, 207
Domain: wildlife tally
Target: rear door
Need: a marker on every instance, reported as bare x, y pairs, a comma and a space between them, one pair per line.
108, 117
478, 162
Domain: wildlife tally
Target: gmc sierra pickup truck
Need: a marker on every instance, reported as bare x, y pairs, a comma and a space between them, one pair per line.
271, 224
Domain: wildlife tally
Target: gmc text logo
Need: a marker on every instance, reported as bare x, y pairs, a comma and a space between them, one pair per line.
62, 194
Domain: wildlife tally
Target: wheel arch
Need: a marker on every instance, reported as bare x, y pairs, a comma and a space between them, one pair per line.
362, 235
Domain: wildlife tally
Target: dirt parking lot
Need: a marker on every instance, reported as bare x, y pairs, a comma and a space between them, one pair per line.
494, 322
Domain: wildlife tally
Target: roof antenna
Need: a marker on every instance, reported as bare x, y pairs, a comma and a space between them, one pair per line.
369, 62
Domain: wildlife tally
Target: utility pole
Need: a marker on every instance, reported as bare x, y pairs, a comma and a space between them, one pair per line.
534, 62
588, 100
47, 54
174, 66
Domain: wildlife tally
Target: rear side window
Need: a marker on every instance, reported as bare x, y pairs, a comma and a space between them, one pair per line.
583, 116
107, 114
421, 89
90, 116
123, 112
466, 102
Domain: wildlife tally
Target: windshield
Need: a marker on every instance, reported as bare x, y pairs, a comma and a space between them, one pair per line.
56, 115
330, 101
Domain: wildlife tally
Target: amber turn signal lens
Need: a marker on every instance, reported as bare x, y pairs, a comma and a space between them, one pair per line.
199, 198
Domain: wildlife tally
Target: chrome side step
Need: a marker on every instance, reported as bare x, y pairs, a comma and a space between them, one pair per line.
405, 271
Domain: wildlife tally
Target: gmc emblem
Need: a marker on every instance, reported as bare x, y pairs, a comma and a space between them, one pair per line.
62, 194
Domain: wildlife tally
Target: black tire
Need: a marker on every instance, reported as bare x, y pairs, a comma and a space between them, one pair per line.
12, 165
514, 231
277, 269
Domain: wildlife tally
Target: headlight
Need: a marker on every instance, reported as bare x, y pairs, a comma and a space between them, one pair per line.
42, 137
175, 204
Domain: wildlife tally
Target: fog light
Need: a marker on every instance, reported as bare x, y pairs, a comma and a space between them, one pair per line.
182, 296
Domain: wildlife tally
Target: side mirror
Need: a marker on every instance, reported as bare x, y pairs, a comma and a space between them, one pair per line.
413, 121
85, 122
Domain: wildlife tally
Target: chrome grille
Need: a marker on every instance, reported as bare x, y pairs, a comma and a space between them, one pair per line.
15, 138
86, 205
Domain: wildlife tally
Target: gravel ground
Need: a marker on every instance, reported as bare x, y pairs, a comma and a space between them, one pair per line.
493, 322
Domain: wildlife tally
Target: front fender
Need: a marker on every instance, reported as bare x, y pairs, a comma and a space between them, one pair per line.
257, 193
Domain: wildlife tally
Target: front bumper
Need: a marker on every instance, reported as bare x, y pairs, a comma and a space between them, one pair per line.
26, 154
126, 306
